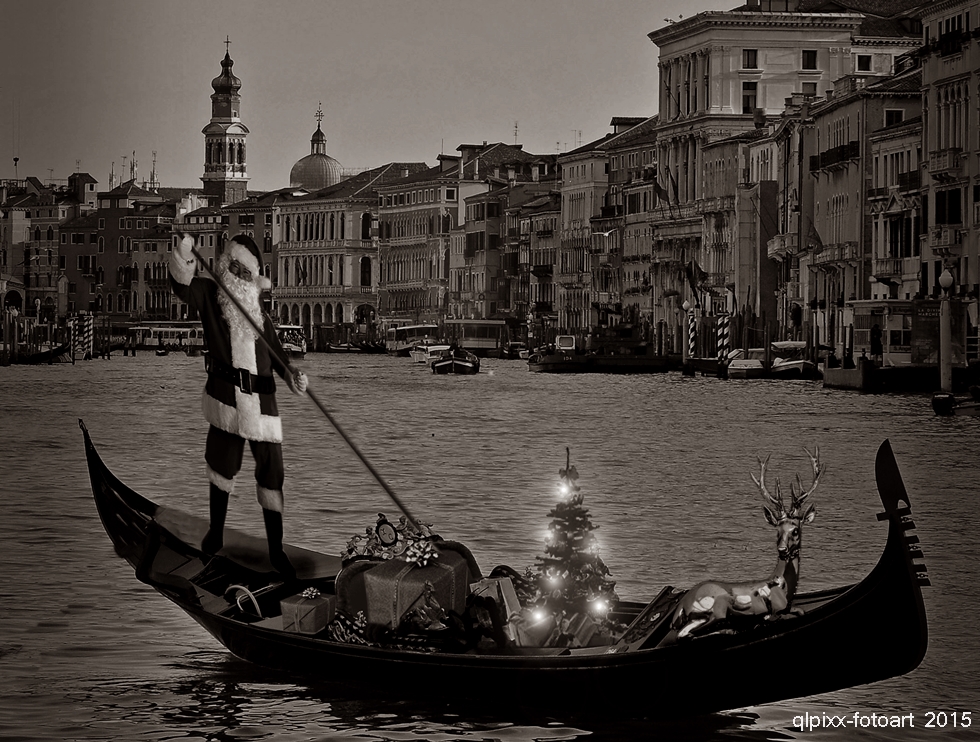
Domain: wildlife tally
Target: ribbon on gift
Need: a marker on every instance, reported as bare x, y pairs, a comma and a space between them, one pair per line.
395, 616
310, 593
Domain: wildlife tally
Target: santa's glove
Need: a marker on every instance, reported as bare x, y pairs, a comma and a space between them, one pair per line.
183, 251
297, 381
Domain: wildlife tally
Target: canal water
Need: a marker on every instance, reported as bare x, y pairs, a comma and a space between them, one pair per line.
89, 653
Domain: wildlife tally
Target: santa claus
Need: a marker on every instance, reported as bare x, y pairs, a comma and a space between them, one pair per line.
240, 394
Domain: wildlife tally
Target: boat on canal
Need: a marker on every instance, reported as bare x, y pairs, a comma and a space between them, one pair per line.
564, 357
455, 360
831, 639
427, 351
293, 341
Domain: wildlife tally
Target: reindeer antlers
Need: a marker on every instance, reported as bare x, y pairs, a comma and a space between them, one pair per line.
818, 469
798, 498
776, 501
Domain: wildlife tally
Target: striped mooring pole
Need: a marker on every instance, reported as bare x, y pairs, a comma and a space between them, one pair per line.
692, 332
724, 320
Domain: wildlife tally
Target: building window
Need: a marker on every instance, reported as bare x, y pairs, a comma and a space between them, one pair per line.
750, 59
895, 116
948, 209
864, 63
749, 94
809, 59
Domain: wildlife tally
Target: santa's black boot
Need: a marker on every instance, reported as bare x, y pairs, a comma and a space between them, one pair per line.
273, 532
214, 539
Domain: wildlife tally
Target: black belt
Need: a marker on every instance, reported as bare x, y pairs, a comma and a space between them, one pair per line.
240, 377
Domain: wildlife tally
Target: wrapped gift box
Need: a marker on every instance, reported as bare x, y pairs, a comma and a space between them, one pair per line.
531, 632
581, 629
501, 590
395, 587
307, 615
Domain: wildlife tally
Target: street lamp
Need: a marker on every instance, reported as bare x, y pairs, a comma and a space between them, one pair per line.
945, 335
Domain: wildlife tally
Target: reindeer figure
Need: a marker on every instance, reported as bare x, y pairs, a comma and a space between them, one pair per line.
707, 603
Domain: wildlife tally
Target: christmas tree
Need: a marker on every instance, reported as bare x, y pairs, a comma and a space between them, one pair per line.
573, 582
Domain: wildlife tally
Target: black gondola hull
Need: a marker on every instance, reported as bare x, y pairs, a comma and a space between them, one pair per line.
870, 631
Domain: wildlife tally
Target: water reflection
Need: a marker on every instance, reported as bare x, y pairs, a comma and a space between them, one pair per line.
222, 699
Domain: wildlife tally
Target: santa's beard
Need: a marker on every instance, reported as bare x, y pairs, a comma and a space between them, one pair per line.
245, 292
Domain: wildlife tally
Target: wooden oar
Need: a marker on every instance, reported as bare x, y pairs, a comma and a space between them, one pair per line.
316, 400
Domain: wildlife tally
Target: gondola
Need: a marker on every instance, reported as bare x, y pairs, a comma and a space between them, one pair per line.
837, 638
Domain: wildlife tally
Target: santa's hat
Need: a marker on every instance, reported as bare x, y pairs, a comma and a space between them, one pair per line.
242, 248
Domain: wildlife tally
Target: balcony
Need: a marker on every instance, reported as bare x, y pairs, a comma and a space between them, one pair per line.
782, 246
946, 164
544, 270
794, 291
836, 158
842, 252
887, 267
946, 239
910, 181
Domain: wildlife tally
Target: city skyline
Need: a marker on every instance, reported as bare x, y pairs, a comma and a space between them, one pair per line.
398, 81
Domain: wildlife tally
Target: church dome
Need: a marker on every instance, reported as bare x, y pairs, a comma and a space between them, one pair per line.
314, 172
318, 169
226, 82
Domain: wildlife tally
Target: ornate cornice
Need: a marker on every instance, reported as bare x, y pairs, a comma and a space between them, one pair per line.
690, 27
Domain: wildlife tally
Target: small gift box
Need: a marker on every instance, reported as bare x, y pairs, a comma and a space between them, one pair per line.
309, 612
532, 631
501, 590
580, 630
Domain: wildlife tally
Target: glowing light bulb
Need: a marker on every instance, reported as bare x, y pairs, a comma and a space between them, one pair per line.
538, 615
600, 606
563, 489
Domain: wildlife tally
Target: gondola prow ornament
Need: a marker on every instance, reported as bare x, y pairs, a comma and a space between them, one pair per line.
709, 605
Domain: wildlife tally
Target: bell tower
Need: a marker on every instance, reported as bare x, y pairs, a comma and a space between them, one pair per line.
225, 174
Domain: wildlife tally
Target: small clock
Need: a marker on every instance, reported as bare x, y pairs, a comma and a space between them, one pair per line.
387, 534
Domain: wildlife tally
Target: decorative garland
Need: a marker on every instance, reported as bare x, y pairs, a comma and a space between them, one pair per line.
387, 540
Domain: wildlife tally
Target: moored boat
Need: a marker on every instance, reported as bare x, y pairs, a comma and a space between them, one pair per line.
789, 361
564, 357
236, 597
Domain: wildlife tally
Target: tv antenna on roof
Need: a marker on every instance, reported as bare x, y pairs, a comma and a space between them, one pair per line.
515, 132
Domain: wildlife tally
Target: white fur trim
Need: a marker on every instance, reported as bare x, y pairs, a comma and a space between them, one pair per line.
182, 270
269, 499
260, 427
226, 485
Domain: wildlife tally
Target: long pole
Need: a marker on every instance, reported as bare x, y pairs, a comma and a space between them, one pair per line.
309, 392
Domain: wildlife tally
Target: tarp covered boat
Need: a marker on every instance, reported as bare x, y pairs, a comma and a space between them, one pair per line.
862, 633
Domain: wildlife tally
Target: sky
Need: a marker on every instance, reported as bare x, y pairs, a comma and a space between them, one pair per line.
399, 80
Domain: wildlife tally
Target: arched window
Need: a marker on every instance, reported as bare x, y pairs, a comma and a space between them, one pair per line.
365, 271
37, 234
366, 226
50, 234
285, 271
331, 227
342, 227
108, 302
101, 243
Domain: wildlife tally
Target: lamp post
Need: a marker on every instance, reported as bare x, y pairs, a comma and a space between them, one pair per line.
945, 335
